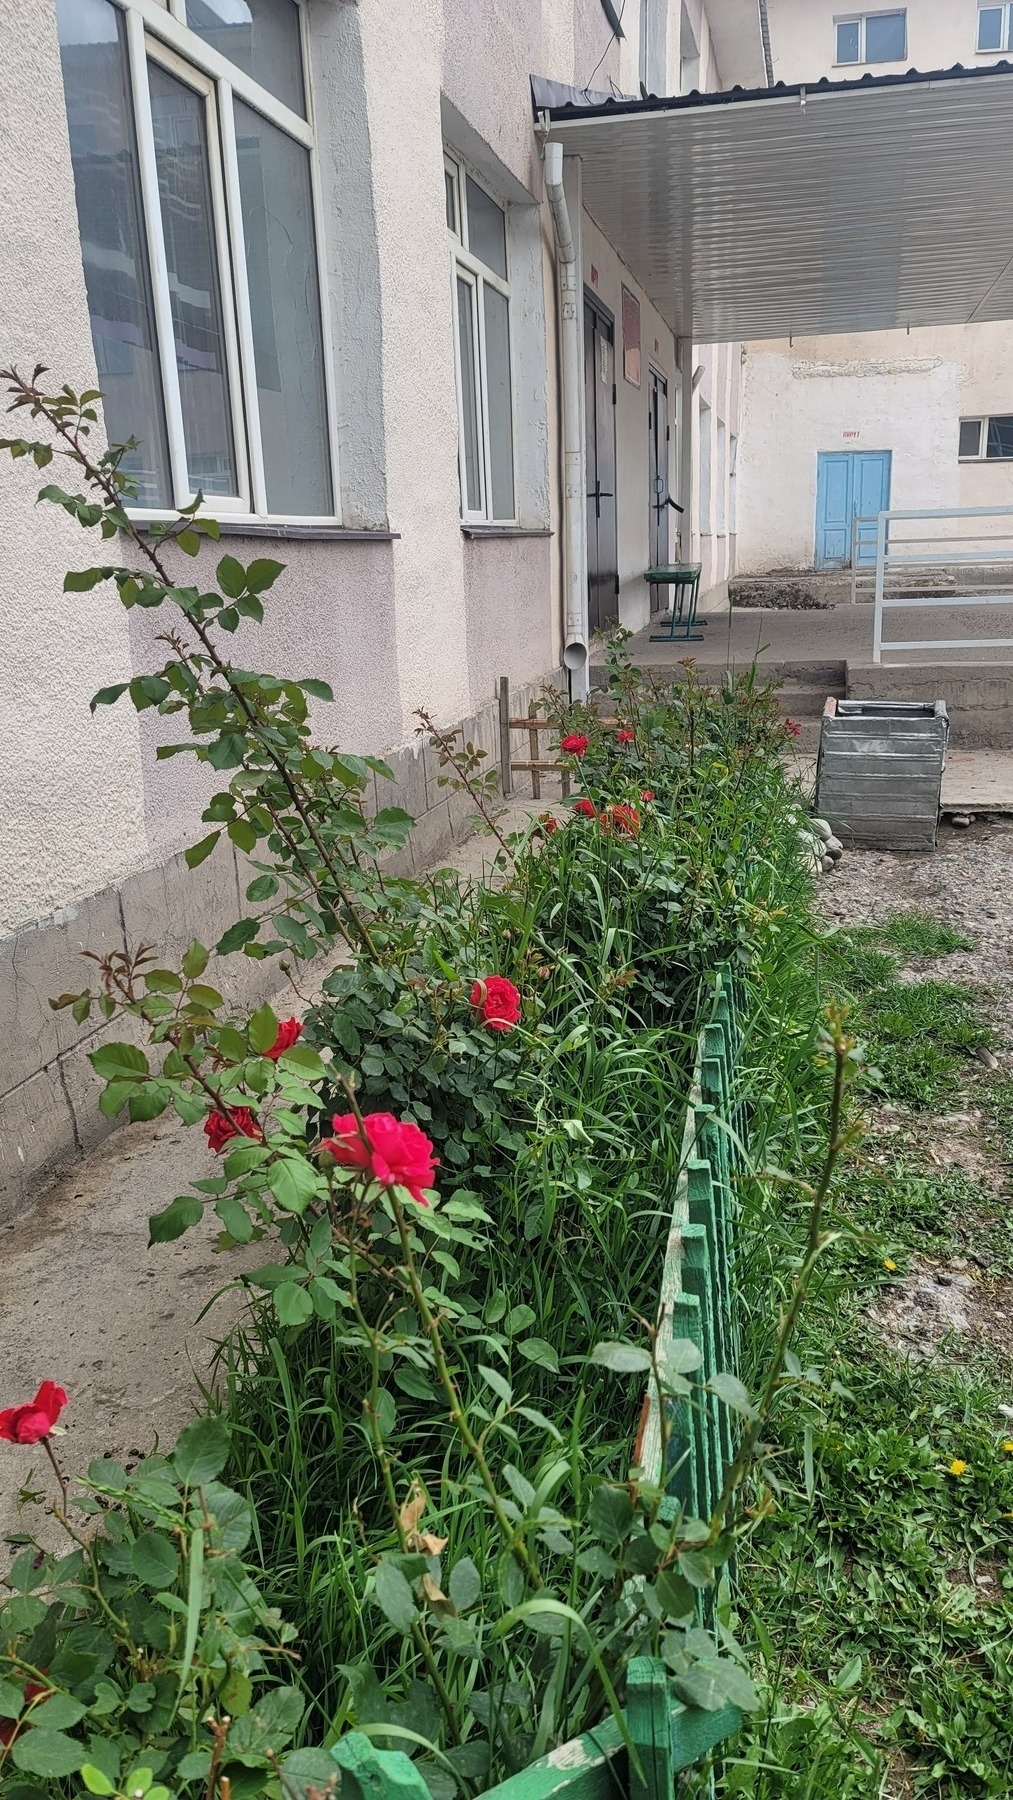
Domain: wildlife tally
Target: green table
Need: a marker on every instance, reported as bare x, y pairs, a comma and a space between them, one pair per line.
684, 580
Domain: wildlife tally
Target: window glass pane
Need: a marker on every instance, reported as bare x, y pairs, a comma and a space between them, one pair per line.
184, 186
261, 37
281, 266
885, 35
1000, 437
970, 437
497, 370
450, 182
486, 229
990, 27
847, 41
469, 395
104, 154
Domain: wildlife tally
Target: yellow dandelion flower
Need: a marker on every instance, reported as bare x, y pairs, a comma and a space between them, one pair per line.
887, 1264
957, 1467
1007, 1444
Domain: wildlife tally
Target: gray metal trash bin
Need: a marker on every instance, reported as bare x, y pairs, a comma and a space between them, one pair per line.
880, 771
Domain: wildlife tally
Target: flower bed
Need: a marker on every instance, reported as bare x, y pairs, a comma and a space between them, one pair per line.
461, 1162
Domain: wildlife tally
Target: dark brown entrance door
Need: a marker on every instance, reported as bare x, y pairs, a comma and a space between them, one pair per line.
658, 454
600, 414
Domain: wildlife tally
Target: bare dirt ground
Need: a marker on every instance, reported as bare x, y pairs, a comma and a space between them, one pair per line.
968, 884
128, 1331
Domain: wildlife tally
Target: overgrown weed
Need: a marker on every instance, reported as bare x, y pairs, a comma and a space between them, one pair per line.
877, 1588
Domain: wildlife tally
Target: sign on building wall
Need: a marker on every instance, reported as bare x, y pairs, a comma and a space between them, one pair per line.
631, 338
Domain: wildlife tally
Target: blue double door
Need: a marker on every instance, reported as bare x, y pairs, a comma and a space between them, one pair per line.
850, 484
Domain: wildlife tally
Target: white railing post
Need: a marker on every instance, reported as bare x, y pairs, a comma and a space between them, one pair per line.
877, 629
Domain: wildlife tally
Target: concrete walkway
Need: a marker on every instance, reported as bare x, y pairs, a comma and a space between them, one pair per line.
736, 636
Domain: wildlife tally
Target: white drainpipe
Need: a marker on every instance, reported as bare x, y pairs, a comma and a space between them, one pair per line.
575, 656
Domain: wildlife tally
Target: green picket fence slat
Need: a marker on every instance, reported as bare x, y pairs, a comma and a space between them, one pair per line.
640, 1756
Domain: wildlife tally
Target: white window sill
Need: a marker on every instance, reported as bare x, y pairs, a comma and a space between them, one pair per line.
483, 529
267, 528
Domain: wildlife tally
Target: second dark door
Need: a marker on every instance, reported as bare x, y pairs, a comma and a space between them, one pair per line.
658, 455
600, 414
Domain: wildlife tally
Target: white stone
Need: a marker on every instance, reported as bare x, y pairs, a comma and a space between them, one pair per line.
834, 848
822, 828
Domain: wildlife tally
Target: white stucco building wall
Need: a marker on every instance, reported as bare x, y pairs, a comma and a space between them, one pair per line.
396, 603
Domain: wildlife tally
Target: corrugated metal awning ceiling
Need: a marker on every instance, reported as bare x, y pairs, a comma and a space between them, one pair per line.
846, 206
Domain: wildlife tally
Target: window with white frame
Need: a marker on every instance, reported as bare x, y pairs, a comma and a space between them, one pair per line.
871, 37
987, 439
995, 27
478, 228
192, 149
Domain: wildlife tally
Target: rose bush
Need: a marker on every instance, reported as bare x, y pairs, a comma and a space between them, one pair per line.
443, 1361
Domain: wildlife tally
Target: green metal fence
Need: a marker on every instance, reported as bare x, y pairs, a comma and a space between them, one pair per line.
695, 1302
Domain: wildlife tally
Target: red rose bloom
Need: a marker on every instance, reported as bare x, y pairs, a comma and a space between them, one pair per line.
548, 822
575, 744
647, 795
623, 820
497, 1003
34, 1419
393, 1151
219, 1130
792, 728
288, 1031
625, 737
586, 807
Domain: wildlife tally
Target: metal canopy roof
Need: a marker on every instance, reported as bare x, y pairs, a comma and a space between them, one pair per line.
845, 206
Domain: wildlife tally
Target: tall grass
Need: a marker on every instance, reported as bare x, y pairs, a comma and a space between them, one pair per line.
572, 1136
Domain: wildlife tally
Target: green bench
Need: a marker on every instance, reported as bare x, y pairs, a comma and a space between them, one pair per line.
684, 580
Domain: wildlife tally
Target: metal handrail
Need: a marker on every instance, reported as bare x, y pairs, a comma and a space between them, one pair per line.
899, 563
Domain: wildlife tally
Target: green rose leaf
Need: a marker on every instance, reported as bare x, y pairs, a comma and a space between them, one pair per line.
734, 1393
263, 1030
699, 1687
622, 1358
537, 1350
202, 1450
465, 1584
242, 932
50, 1754
610, 1514
292, 1182
59, 1713
174, 1219
231, 577
199, 853
153, 1560
675, 1594
735, 1684
394, 1597
680, 1357
95, 1781
294, 1304
118, 1062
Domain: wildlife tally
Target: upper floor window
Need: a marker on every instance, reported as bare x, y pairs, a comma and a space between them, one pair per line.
192, 155
995, 27
478, 228
871, 37
986, 440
